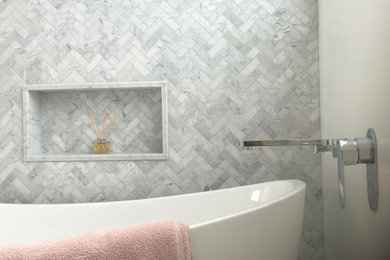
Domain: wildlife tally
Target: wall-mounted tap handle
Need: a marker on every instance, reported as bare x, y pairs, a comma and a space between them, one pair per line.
340, 170
355, 151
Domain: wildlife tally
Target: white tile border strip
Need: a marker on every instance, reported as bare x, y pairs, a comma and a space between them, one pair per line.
162, 85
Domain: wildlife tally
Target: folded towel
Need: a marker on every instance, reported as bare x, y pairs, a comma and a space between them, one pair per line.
159, 240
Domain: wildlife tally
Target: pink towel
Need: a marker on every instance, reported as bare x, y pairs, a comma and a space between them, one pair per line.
166, 239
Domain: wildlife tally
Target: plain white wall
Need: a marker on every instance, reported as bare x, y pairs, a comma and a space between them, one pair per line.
355, 95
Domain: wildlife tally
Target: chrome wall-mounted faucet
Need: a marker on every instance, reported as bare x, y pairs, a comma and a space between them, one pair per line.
347, 151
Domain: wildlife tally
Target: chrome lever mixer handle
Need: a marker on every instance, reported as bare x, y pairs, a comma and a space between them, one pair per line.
340, 170
346, 152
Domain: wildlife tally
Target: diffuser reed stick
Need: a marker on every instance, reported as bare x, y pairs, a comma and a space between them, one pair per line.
92, 123
109, 126
104, 124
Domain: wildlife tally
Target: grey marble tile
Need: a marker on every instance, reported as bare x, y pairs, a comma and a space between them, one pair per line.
239, 69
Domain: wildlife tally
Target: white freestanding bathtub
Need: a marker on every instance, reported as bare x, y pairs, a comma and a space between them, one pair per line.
261, 221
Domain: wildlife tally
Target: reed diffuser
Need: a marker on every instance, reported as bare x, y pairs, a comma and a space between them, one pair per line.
100, 145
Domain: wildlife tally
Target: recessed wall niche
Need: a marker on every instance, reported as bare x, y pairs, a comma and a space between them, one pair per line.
55, 127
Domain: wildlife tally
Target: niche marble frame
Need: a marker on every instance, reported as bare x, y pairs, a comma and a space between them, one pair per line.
28, 109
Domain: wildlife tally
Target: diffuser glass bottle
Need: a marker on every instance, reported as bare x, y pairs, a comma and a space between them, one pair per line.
101, 145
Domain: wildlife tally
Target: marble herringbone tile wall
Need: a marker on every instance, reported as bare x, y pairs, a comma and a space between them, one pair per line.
239, 69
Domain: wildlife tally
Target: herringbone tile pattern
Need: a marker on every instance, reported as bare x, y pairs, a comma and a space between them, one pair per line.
239, 69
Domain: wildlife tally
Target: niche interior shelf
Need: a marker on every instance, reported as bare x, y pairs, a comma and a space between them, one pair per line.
55, 127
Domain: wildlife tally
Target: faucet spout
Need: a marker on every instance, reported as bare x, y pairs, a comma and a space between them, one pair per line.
317, 145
